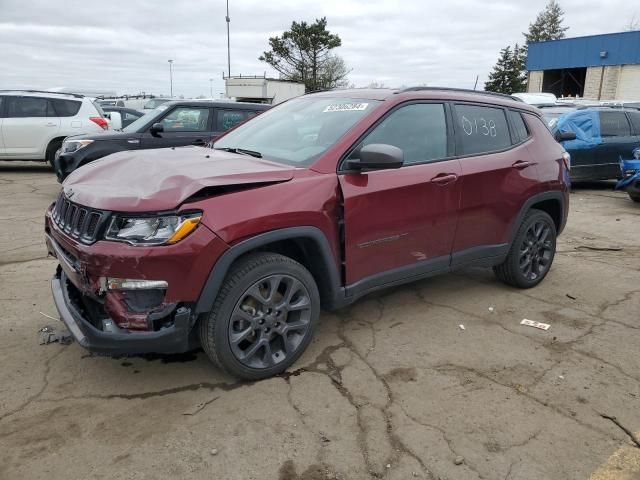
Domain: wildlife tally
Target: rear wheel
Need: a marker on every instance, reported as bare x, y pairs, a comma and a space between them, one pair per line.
531, 253
634, 196
264, 317
50, 154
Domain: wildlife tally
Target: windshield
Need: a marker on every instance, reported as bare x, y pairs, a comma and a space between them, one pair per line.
141, 122
298, 131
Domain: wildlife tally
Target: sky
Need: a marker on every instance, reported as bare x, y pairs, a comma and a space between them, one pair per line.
123, 45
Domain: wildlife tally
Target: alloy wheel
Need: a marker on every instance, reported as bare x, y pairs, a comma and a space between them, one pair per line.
536, 250
270, 321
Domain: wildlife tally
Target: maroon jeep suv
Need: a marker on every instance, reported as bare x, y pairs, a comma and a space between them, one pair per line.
313, 204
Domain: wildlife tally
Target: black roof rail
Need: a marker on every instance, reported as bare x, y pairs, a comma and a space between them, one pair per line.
461, 90
77, 95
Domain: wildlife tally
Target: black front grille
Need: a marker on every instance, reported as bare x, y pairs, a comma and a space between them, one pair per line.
79, 222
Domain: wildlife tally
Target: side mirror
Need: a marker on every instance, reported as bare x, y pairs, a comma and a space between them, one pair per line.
377, 156
156, 128
563, 136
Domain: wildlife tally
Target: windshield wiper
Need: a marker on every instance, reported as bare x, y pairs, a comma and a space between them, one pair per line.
241, 151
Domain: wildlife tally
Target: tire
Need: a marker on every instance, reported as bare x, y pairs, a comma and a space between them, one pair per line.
516, 270
51, 151
263, 318
634, 196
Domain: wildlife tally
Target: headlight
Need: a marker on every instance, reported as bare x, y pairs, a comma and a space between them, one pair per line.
70, 146
153, 230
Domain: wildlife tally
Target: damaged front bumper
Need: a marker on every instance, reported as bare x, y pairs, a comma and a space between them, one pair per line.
118, 299
116, 341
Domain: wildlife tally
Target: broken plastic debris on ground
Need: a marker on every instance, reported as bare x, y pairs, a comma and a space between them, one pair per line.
51, 334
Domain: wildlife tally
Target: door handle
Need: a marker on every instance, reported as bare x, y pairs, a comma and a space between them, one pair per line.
521, 164
50, 124
444, 178
199, 143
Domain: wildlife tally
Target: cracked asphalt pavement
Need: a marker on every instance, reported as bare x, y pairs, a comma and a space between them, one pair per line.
390, 388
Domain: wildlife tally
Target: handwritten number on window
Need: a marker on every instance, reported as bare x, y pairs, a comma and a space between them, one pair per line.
479, 126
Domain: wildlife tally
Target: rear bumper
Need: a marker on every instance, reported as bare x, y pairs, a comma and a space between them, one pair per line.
173, 339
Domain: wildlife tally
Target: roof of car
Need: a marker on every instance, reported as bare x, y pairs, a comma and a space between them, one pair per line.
440, 93
114, 108
221, 104
41, 93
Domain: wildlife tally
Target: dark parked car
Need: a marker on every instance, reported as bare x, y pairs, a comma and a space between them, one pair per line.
124, 117
172, 124
551, 114
604, 136
315, 203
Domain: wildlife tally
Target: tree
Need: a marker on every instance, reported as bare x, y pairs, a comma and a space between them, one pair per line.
303, 54
499, 77
633, 25
548, 24
508, 74
334, 73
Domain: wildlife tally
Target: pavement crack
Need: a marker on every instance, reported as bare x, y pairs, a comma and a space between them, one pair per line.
36, 396
629, 433
398, 447
225, 387
450, 367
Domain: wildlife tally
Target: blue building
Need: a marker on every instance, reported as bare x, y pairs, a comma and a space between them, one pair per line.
598, 67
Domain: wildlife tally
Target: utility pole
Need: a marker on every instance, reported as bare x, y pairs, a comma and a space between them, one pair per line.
211, 88
170, 77
228, 43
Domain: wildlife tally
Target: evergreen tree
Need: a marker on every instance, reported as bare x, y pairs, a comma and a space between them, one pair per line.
548, 24
518, 73
500, 78
304, 54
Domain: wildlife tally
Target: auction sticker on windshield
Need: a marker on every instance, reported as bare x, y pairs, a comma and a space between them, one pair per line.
345, 107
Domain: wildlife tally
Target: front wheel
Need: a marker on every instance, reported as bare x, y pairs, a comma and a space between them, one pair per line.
531, 253
634, 196
264, 316
50, 154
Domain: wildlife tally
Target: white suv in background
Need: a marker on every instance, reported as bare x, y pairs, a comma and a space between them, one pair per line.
33, 124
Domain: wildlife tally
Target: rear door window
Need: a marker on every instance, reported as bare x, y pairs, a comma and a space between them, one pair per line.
186, 119
614, 124
481, 129
227, 119
520, 131
419, 130
29, 107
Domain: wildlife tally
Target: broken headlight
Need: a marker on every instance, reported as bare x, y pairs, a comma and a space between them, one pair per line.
153, 230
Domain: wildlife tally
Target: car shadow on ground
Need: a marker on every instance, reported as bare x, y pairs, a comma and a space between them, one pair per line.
594, 185
25, 167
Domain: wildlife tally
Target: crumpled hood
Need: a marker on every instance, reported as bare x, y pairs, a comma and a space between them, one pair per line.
162, 179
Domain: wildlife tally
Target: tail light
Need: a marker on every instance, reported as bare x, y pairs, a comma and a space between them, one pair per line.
566, 159
101, 122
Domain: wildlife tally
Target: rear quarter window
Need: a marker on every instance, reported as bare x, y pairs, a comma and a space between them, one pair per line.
66, 108
520, 131
481, 129
227, 119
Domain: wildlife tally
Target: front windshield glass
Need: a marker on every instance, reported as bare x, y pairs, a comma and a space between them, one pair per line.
144, 120
298, 131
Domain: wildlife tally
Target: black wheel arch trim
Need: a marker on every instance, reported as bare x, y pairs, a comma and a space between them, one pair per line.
335, 291
528, 205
